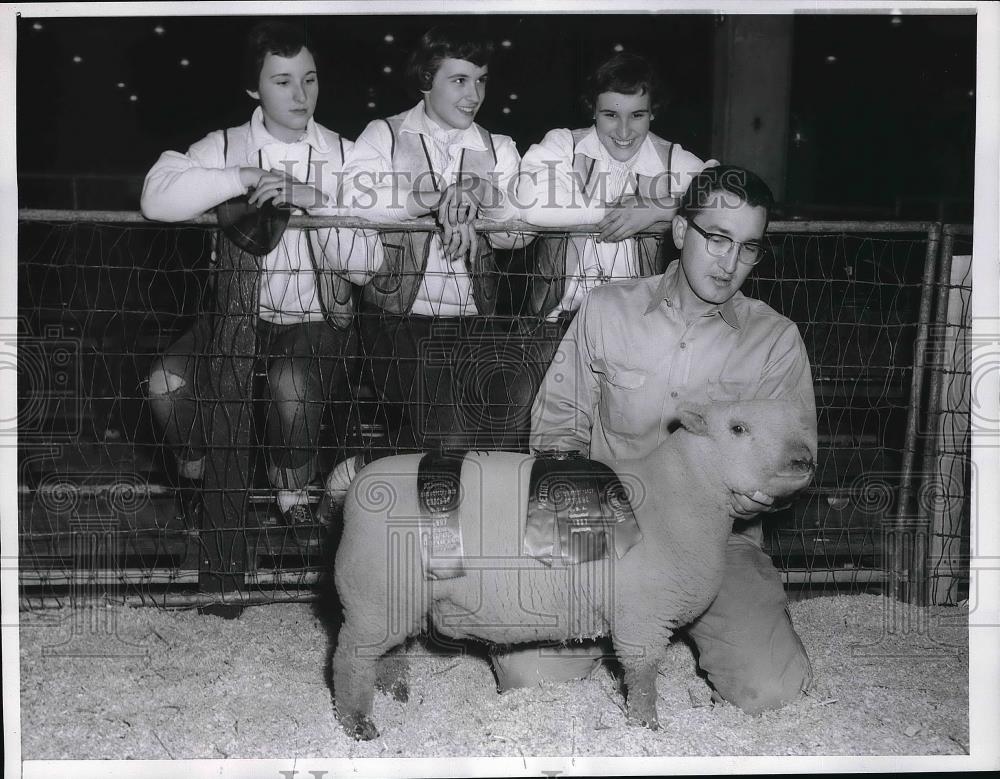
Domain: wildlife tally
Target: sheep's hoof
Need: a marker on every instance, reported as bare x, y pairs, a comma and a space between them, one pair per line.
650, 721
359, 727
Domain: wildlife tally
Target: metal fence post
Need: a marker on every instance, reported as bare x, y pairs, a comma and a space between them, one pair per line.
944, 563
907, 566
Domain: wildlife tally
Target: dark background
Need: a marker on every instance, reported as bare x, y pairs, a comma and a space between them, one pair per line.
886, 129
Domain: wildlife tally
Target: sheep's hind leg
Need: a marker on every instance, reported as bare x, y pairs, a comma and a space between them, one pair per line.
391, 675
354, 671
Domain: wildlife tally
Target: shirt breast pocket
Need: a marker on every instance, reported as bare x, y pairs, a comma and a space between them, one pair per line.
729, 390
626, 405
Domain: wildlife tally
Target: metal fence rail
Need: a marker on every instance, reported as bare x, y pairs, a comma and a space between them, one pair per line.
102, 293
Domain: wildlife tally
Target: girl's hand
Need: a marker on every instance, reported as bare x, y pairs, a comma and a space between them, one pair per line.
281, 189
624, 221
250, 177
455, 215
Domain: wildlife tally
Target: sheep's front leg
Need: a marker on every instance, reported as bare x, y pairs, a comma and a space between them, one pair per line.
641, 657
640, 685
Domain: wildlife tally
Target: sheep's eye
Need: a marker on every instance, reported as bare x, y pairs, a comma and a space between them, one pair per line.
739, 429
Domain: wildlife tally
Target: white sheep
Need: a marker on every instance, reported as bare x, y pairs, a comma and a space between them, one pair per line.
680, 494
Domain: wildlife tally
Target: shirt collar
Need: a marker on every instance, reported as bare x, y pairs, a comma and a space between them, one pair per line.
417, 121
664, 290
645, 162
260, 137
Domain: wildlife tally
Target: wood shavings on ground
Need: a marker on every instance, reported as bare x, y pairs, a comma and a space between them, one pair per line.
125, 683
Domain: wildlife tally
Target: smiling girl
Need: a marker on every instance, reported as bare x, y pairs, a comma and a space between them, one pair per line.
615, 174
435, 290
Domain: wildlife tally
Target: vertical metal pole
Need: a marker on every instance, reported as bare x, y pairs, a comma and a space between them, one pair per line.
934, 410
902, 572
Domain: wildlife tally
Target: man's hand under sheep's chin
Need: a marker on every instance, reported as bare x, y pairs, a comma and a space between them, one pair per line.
745, 507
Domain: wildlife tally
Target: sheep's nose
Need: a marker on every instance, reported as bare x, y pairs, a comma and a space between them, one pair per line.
802, 459
804, 464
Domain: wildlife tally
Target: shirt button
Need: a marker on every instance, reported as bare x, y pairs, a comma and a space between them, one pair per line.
683, 345
673, 394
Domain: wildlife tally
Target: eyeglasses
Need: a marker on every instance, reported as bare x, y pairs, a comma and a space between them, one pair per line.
720, 246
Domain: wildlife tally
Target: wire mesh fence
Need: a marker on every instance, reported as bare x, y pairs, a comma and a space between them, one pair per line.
860, 295
106, 509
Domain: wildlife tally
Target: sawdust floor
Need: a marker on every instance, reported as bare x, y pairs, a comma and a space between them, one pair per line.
118, 682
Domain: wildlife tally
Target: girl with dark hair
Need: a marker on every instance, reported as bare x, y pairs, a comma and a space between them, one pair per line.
420, 305
280, 160
615, 174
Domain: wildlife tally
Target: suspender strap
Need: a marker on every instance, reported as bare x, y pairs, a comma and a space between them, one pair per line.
392, 139
493, 148
430, 165
590, 172
581, 159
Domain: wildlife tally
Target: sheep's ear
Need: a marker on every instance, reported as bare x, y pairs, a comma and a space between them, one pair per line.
692, 418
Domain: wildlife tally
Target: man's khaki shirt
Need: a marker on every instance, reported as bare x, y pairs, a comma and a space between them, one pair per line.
630, 357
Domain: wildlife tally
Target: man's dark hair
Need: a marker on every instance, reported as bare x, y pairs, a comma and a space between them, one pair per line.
627, 74
443, 42
724, 184
281, 38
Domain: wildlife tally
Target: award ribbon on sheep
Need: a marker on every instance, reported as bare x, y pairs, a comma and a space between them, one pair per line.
574, 505
439, 487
